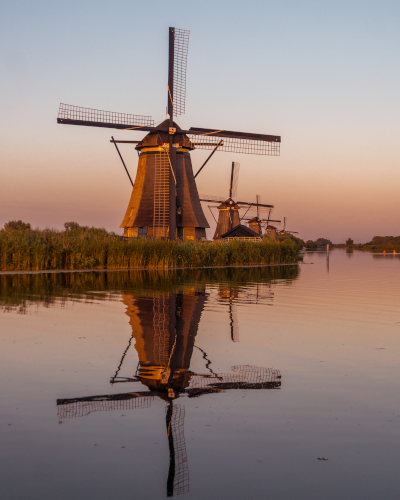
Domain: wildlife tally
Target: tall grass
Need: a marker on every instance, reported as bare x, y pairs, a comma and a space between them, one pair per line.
91, 248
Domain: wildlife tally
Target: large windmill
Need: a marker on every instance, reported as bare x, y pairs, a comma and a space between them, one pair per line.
164, 200
228, 210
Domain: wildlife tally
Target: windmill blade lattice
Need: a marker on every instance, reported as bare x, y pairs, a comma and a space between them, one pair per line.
211, 198
235, 142
77, 115
181, 45
235, 145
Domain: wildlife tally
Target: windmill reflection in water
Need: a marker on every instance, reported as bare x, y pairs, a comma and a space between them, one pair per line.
164, 326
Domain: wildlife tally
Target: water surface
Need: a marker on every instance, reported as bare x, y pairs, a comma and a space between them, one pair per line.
229, 383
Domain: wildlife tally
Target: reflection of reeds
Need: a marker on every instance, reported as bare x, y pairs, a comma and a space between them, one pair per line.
96, 249
19, 290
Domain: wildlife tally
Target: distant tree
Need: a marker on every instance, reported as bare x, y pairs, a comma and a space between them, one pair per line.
17, 225
385, 240
71, 226
287, 236
349, 242
321, 242
311, 244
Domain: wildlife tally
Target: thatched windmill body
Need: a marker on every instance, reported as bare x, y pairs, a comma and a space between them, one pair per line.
164, 200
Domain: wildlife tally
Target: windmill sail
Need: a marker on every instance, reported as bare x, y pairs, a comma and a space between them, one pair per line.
75, 115
235, 142
181, 45
234, 179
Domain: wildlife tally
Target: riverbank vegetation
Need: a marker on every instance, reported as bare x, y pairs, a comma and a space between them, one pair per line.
290, 237
82, 247
380, 243
319, 243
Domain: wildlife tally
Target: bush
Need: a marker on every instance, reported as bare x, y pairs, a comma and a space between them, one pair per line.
17, 225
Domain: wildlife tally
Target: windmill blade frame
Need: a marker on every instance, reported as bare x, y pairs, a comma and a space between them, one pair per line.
235, 142
210, 198
181, 46
69, 114
234, 179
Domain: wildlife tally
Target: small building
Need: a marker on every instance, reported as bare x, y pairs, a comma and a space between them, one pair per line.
271, 232
241, 232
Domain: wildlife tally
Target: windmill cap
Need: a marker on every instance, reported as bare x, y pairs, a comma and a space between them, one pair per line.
229, 203
160, 136
164, 126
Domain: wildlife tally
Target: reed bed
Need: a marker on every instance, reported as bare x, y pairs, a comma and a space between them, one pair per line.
92, 248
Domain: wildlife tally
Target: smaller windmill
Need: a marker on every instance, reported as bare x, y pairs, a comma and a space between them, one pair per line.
284, 230
257, 222
228, 210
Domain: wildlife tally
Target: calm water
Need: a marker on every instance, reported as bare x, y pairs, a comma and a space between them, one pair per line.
209, 384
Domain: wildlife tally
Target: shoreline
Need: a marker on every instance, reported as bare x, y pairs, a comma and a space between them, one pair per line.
54, 271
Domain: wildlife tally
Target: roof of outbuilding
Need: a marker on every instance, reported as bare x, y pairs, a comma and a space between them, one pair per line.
240, 231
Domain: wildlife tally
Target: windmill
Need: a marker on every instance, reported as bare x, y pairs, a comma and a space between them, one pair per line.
256, 223
164, 200
164, 327
284, 230
228, 210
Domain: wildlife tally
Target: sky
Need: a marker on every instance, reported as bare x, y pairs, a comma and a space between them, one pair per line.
325, 76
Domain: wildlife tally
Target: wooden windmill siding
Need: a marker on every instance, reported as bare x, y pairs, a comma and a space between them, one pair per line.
148, 208
228, 217
271, 232
255, 225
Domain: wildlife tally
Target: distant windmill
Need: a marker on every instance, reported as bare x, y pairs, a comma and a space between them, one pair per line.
228, 210
256, 223
284, 230
164, 200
